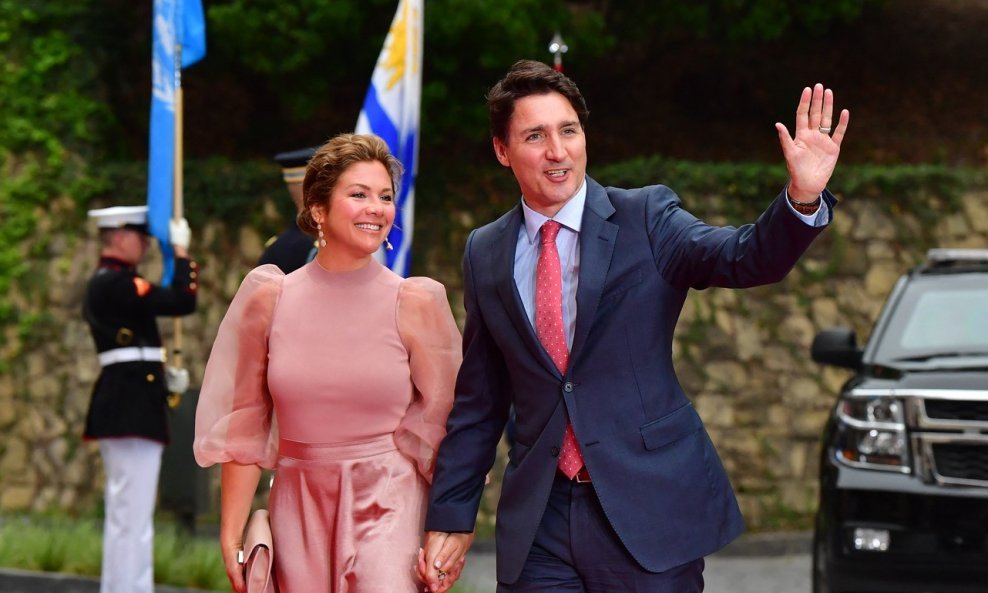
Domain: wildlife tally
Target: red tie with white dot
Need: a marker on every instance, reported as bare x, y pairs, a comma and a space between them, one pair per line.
551, 330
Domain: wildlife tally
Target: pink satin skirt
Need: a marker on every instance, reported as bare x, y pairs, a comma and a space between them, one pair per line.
346, 518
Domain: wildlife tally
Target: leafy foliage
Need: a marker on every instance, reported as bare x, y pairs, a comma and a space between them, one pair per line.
730, 21
48, 125
750, 183
295, 46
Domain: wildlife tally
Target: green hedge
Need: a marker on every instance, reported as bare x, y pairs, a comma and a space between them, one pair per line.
750, 185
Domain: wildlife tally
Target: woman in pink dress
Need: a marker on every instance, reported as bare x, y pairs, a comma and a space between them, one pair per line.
340, 376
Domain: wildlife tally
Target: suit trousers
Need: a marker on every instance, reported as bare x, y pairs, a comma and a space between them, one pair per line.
577, 551
131, 466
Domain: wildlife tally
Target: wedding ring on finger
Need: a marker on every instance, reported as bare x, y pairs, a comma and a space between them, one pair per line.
442, 575
824, 130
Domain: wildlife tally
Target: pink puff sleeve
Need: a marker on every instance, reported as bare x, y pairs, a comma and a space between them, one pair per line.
427, 328
234, 417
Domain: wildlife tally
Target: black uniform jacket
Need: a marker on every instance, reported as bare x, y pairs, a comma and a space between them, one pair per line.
128, 399
291, 250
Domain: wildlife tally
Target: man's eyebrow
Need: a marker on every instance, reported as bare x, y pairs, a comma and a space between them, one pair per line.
538, 128
543, 127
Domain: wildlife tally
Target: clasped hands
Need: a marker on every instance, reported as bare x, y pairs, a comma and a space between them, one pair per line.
442, 558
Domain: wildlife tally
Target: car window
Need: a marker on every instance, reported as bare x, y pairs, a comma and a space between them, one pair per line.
947, 319
938, 315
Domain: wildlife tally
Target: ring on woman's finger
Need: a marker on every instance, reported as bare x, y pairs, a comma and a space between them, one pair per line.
824, 130
442, 575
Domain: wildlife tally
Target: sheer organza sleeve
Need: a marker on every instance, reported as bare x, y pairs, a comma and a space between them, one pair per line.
433, 341
234, 417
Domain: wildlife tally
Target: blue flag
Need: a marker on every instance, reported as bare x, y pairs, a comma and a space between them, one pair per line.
391, 110
179, 33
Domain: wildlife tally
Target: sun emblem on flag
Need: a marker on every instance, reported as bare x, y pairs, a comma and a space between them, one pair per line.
396, 61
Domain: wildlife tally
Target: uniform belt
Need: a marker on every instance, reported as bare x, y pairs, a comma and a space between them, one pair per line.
132, 354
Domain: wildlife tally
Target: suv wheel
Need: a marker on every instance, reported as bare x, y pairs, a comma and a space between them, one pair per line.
821, 583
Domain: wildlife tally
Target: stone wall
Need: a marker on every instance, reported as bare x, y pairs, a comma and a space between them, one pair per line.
742, 355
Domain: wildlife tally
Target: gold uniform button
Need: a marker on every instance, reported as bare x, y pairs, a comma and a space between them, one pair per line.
193, 285
150, 378
192, 274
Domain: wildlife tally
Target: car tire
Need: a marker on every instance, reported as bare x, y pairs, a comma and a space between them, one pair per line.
819, 578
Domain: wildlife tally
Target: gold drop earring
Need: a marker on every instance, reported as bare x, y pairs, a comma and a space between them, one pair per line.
322, 237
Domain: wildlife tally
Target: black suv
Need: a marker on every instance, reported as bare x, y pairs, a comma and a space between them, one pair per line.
904, 462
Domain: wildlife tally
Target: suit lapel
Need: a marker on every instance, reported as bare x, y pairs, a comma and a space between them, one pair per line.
597, 240
503, 267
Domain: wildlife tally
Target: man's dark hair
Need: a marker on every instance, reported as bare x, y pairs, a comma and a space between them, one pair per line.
525, 78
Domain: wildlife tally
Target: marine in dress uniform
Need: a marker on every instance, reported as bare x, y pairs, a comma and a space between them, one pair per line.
128, 411
292, 249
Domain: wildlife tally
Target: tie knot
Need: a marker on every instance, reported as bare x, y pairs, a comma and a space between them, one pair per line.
549, 231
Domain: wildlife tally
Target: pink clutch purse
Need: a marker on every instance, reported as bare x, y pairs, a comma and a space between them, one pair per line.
259, 554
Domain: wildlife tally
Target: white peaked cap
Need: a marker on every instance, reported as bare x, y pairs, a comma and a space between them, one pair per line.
119, 216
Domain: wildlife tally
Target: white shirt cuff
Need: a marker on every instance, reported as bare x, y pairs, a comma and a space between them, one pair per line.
819, 218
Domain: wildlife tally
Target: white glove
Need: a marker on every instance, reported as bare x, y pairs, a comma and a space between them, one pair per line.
177, 379
180, 233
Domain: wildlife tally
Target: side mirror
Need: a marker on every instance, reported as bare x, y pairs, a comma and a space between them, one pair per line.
837, 347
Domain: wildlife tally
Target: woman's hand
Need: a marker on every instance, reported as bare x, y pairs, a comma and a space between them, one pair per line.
234, 570
442, 559
237, 486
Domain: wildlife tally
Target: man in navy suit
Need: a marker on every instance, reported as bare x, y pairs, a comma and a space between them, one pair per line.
572, 297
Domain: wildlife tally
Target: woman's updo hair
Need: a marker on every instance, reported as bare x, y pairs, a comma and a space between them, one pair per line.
330, 161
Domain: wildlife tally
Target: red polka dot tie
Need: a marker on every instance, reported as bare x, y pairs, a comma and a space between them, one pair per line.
551, 330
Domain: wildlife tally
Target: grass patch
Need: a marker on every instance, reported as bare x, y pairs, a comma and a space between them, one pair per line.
51, 545
75, 546
186, 561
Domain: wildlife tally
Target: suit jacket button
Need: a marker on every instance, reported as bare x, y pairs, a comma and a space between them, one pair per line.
554, 451
568, 387
150, 378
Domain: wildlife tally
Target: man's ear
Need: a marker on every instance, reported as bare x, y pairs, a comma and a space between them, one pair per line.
501, 152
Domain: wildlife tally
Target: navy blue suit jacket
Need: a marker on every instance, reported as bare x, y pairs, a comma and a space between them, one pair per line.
654, 468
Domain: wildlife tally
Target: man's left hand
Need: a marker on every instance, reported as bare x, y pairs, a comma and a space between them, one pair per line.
812, 155
442, 559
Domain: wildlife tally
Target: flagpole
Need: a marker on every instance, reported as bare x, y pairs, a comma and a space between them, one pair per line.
177, 198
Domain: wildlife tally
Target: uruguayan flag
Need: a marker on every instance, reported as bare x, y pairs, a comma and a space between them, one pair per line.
391, 110
179, 32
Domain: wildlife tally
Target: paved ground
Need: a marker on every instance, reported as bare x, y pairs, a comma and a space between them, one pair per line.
766, 563
748, 574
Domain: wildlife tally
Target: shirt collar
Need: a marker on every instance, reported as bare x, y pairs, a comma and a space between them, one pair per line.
106, 261
570, 215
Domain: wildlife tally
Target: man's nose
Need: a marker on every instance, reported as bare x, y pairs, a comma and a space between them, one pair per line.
555, 150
